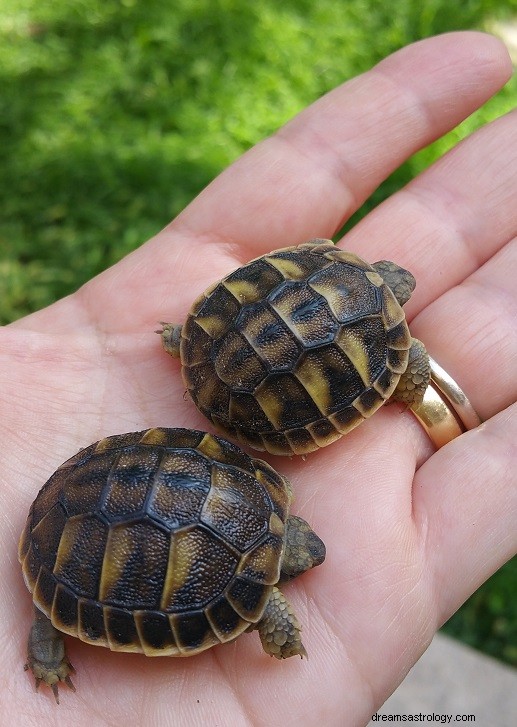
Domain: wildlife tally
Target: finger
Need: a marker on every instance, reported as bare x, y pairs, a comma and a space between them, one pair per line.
470, 331
302, 182
465, 504
318, 169
452, 217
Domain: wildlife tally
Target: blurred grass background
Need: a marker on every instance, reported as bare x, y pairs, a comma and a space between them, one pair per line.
114, 114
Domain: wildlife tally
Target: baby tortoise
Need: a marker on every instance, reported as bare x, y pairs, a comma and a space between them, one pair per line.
299, 346
165, 542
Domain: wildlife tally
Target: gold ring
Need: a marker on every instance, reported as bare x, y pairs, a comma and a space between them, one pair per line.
445, 412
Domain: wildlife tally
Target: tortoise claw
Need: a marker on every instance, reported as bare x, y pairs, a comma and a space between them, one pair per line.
52, 676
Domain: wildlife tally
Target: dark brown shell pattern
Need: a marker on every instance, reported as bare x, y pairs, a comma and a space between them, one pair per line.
294, 349
166, 542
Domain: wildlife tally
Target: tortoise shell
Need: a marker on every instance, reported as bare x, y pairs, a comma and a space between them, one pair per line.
294, 349
165, 541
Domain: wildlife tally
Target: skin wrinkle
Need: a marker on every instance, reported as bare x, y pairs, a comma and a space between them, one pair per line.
439, 212
413, 109
476, 171
241, 696
437, 574
107, 354
467, 297
228, 247
339, 172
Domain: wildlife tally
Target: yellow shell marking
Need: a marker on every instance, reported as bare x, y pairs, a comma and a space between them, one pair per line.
119, 546
364, 410
353, 347
210, 447
154, 437
374, 278
288, 268
345, 428
392, 313
271, 406
104, 444
72, 527
214, 326
276, 525
243, 290
313, 379
178, 568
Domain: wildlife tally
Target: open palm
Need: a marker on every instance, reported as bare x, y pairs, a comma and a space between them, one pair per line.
410, 533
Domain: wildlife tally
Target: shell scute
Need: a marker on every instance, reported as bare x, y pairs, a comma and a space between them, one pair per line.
252, 282
121, 630
180, 488
347, 291
295, 264
80, 554
241, 520
269, 337
192, 632
248, 598
217, 311
200, 566
286, 402
91, 626
245, 407
305, 313
84, 488
392, 313
64, 614
155, 633
204, 385
368, 402
224, 620
46, 535
134, 549
399, 337
259, 566
237, 364
45, 588
323, 432
330, 378
195, 344
364, 344
128, 483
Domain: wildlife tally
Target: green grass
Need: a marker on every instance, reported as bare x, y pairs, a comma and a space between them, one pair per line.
115, 114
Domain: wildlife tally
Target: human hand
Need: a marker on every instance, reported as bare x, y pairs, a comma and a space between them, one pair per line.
409, 533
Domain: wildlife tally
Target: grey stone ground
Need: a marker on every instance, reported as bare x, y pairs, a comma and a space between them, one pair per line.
453, 679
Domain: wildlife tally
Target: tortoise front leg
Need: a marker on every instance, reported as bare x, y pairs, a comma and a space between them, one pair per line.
415, 379
46, 656
279, 629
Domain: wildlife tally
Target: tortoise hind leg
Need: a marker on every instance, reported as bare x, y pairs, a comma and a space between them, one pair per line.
415, 379
46, 656
171, 336
279, 629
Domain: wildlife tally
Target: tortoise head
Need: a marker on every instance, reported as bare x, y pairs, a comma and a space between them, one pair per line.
303, 549
400, 281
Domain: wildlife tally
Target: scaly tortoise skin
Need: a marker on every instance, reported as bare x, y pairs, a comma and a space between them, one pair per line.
299, 346
166, 542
